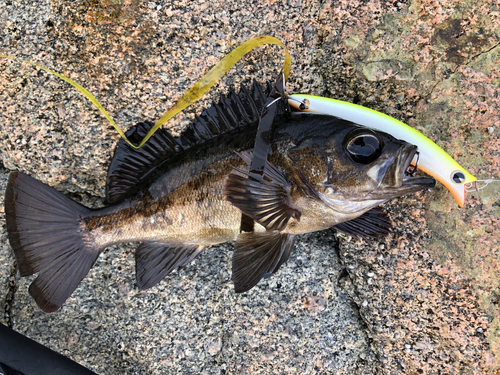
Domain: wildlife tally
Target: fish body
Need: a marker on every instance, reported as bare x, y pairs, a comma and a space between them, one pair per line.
178, 195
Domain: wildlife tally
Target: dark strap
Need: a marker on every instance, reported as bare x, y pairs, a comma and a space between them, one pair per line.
263, 141
21, 355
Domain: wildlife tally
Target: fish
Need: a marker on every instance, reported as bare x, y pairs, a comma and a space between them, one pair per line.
177, 195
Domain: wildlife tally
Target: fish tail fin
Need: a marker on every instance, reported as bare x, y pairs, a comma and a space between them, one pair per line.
47, 233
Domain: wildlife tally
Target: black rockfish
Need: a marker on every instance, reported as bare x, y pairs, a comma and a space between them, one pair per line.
178, 195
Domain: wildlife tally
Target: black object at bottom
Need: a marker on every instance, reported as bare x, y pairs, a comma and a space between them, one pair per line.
6, 370
20, 355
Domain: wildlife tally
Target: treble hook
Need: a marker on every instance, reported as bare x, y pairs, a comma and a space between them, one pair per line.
412, 171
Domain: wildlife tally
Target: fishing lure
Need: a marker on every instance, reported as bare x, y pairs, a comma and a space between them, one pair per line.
432, 159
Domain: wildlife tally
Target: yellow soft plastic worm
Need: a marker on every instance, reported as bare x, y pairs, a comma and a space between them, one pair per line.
433, 160
194, 93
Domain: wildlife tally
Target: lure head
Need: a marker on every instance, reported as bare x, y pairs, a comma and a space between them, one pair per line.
453, 177
460, 179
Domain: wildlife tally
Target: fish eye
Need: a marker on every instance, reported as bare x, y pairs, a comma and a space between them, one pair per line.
363, 146
458, 177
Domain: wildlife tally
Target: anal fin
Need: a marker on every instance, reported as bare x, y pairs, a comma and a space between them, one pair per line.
259, 255
155, 260
372, 224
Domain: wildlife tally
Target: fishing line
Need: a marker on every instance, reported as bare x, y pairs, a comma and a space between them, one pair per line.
474, 187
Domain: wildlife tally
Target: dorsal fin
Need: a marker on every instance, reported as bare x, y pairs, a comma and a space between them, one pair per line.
129, 168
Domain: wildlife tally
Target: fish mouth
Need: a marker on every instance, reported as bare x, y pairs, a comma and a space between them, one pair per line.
405, 171
399, 179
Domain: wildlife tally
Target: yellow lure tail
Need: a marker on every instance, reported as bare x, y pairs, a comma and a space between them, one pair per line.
194, 93
214, 74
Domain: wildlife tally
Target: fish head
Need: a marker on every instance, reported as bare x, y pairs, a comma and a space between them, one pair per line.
355, 168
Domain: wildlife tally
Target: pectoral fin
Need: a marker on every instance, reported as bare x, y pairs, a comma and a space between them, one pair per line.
372, 224
259, 255
154, 261
267, 202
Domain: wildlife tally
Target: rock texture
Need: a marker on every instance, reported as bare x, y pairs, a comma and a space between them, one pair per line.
426, 299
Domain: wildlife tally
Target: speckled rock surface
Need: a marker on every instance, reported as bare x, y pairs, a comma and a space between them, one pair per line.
423, 300
7, 267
